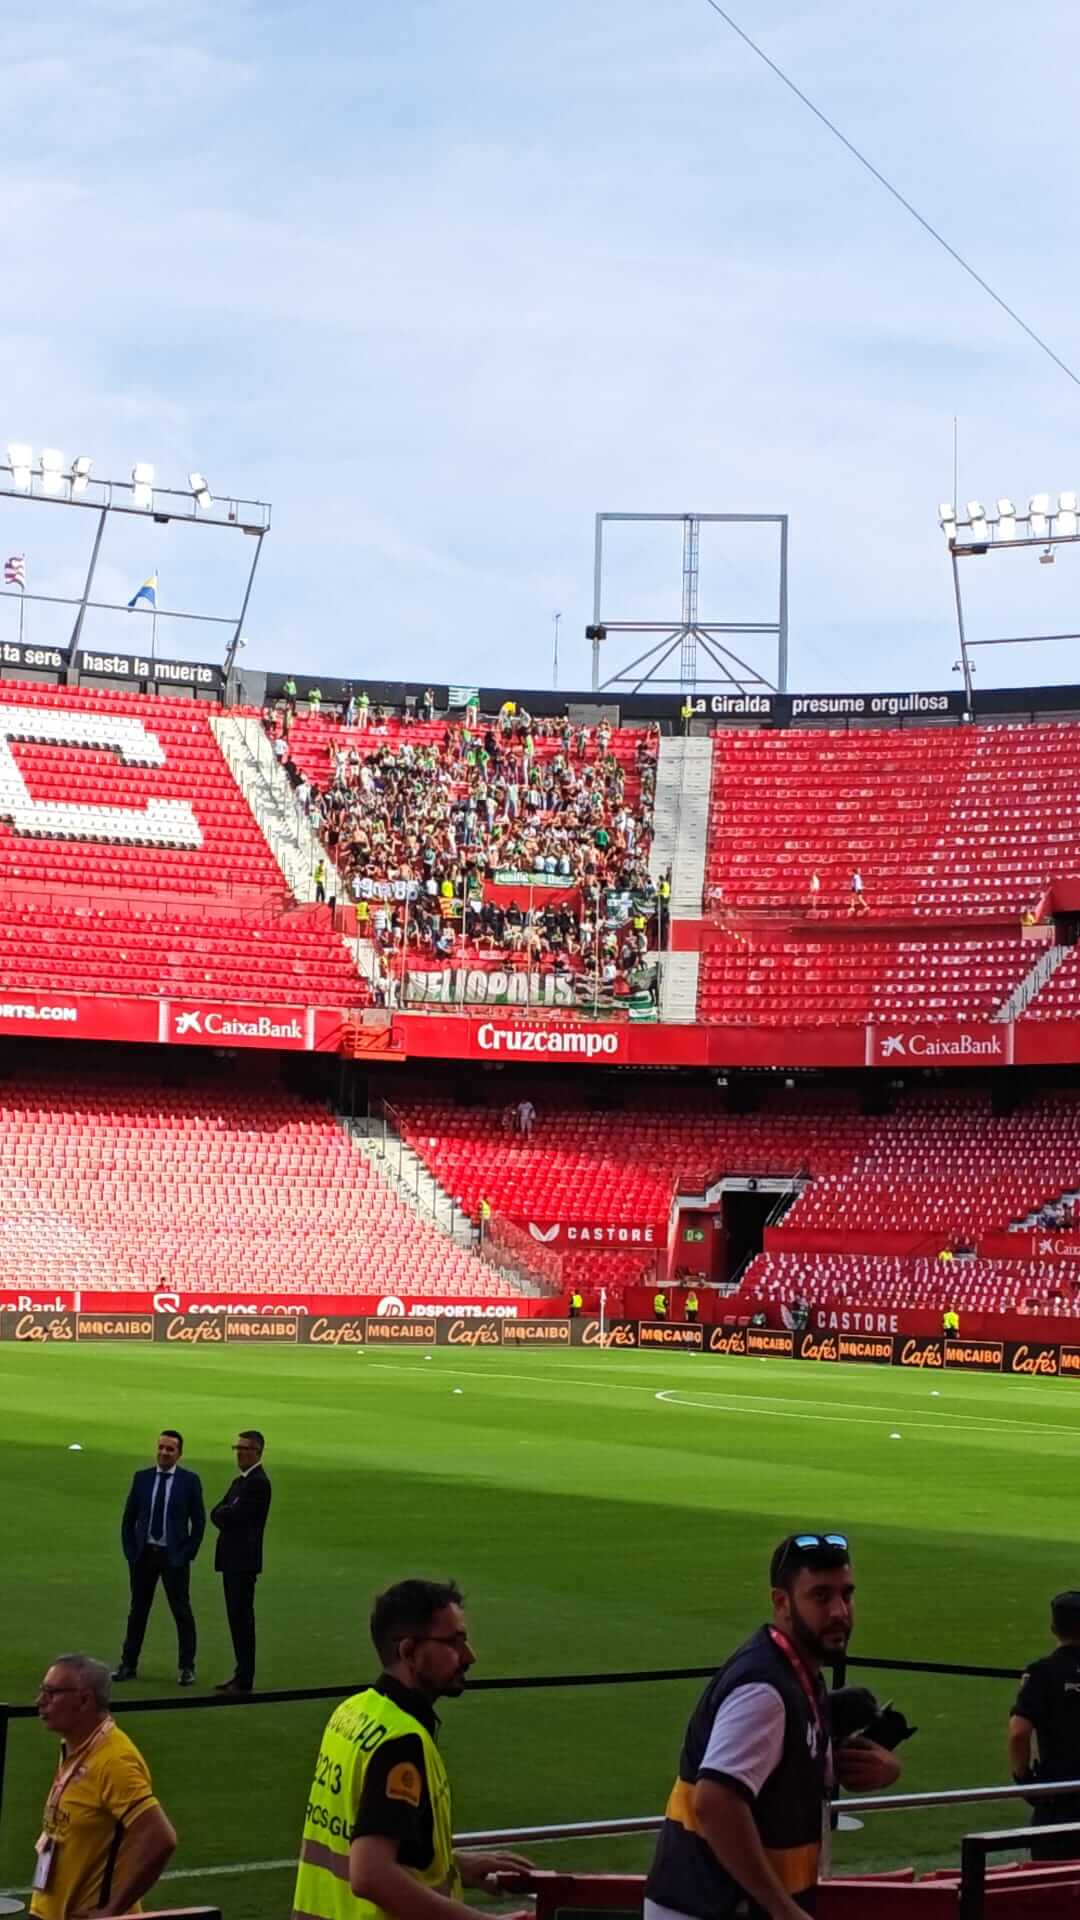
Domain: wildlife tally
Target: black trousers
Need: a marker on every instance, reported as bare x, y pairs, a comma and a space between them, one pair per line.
1055, 1813
146, 1571
240, 1611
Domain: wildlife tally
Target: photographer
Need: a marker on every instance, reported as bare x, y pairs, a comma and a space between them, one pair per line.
744, 1822
1048, 1707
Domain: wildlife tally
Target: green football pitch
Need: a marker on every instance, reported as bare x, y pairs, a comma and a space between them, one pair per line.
602, 1512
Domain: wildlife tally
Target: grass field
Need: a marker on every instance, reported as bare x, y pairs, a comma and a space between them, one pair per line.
592, 1524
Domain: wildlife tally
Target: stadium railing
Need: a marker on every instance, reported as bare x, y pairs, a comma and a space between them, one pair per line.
976, 1848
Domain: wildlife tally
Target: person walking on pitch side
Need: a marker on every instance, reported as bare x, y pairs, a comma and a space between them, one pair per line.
240, 1517
1047, 1709
104, 1837
744, 1823
378, 1834
161, 1532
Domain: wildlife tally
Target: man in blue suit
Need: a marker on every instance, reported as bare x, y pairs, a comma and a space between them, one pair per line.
161, 1532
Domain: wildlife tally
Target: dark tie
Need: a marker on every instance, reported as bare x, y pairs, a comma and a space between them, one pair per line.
157, 1511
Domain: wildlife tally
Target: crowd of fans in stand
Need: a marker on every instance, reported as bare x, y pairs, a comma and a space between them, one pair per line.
416, 827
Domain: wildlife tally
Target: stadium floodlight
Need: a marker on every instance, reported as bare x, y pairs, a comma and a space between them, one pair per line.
1006, 523
1066, 522
1039, 515
53, 473
977, 515
947, 517
21, 462
203, 496
80, 473
142, 477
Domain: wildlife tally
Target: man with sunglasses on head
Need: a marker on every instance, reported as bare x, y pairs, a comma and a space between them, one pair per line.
746, 1818
378, 1833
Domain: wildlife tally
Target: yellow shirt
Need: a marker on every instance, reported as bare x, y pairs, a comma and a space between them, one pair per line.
104, 1797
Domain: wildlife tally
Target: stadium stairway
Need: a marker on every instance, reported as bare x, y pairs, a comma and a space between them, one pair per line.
1032, 983
679, 986
404, 1170
681, 818
413, 1181
681, 821
265, 787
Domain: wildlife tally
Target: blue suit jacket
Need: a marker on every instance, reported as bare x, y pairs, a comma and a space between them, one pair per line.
185, 1521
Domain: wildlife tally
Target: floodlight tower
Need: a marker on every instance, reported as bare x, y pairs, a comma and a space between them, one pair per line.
689, 633
55, 481
1042, 526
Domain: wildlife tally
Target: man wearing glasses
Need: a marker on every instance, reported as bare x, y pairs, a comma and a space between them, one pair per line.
378, 1829
104, 1838
745, 1820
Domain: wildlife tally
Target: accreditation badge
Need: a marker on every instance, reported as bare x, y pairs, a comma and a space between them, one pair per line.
45, 1849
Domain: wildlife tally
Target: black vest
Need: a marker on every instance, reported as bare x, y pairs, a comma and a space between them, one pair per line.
788, 1812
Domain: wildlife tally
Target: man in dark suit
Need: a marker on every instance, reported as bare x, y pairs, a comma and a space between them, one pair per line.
241, 1519
161, 1532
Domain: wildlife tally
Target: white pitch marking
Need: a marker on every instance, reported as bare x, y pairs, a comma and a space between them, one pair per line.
945, 1422
674, 1397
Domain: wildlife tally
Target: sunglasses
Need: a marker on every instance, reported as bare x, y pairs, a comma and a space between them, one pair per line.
812, 1543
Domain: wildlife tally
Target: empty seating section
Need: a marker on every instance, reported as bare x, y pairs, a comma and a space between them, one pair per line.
786, 806
823, 983
620, 1168
126, 793
234, 1188
891, 1283
947, 1169
258, 959
939, 1171
941, 822
1015, 824
131, 863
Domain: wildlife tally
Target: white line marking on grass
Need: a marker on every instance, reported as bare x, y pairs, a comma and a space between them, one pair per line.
242, 1866
786, 1407
674, 1397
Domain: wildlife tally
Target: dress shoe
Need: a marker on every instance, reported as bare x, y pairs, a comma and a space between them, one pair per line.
186, 1676
124, 1672
231, 1686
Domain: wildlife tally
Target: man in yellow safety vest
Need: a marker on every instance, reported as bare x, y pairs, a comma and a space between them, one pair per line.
378, 1833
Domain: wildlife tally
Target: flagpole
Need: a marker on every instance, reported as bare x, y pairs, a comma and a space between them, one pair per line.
22, 610
153, 626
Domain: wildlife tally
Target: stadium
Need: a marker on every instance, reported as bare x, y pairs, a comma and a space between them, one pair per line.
370, 1048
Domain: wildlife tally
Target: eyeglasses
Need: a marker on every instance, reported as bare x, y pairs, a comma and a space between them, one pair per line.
811, 1543
50, 1693
459, 1640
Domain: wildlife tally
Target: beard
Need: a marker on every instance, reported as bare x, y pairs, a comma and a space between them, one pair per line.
820, 1647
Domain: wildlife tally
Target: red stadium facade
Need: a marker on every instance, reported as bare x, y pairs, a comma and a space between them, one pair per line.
869, 1039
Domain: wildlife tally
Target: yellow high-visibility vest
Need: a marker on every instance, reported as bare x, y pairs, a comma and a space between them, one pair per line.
357, 1729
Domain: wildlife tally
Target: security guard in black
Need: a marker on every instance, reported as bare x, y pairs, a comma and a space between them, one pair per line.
1048, 1708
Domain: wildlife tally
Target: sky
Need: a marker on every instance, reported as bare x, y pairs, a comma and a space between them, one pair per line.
442, 282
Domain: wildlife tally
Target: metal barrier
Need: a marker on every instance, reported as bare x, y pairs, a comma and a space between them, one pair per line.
975, 1848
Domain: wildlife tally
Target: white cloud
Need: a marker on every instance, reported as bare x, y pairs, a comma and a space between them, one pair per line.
442, 285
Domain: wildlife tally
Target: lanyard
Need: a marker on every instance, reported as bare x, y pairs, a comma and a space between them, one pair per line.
66, 1774
783, 1645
